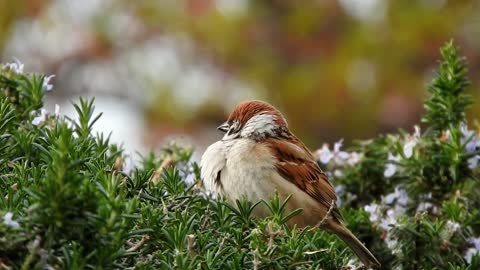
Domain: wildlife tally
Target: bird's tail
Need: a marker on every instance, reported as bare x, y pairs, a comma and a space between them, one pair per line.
355, 245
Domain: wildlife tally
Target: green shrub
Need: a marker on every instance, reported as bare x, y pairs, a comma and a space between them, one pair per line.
67, 201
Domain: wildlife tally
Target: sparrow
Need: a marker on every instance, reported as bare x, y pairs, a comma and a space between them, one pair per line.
258, 156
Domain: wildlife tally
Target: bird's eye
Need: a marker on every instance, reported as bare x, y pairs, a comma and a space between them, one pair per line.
224, 127
234, 128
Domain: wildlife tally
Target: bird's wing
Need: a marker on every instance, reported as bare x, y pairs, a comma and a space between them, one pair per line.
212, 163
297, 165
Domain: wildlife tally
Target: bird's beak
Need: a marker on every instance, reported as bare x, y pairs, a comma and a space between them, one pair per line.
223, 127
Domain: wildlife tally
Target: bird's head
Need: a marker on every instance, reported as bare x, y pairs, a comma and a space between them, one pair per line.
253, 119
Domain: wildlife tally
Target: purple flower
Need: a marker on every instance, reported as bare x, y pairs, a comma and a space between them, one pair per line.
472, 251
475, 241
399, 196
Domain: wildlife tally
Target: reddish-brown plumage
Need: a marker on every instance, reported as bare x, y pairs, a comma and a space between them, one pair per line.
246, 110
297, 165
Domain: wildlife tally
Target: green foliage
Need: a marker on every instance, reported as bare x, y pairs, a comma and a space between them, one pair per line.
74, 206
447, 104
427, 208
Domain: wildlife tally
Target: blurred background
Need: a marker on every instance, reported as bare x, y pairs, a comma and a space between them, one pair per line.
173, 69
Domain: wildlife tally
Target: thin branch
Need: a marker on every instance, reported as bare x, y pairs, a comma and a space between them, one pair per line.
140, 243
327, 215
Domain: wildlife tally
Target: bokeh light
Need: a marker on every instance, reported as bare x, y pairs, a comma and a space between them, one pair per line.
163, 70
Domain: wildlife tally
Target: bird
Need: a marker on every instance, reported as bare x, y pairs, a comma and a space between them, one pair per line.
259, 156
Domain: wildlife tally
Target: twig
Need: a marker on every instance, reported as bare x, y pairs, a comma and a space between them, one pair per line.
220, 247
315, 251
327, 215
140, 243
190, 244
3, 266
272, 235
256, 261
300, 263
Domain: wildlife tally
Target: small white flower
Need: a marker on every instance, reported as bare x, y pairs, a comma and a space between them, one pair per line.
408, 148
402, 198
399, 196
391, 167
452, 226
47, 86
57, 110
324, 154
338, 173
389, 198
8, 220
41, 118
389, 221
473, 251
472, 143
399, 210
339, 157
340, 189
374, 212
392, 244
424, 206
190, 179
16, 66
352, 264
390, 170
354, 158
412, 141
473, 162
470, 253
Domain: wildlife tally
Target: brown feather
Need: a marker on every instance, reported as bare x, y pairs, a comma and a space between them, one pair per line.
297, 165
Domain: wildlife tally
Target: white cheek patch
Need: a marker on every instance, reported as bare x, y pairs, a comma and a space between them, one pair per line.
259, 124
232, 132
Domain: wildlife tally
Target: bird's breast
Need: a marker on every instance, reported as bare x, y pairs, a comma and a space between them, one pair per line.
248, 171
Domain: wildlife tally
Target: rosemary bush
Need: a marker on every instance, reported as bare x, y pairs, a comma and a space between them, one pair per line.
69, 202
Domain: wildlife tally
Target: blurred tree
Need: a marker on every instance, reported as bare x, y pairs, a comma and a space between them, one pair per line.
346, 68
336, 71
